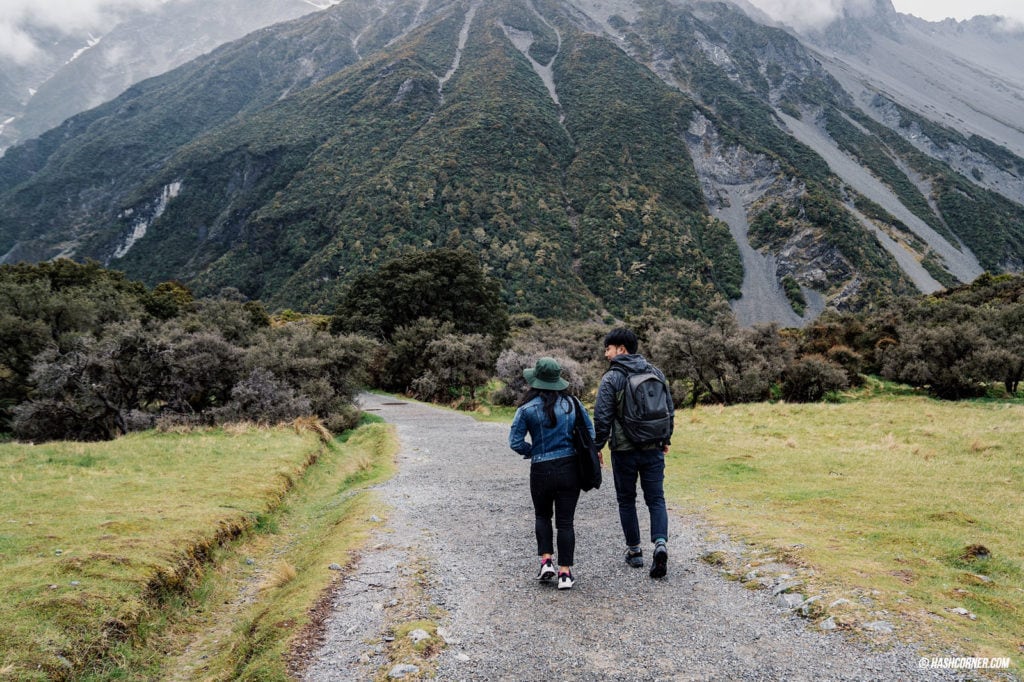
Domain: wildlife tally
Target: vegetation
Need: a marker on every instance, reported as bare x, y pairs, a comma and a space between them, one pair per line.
108, 534
880, 502
89, 355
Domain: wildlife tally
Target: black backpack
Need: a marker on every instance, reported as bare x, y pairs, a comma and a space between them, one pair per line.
646, 415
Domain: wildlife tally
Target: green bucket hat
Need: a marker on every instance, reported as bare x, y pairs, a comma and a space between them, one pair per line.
546, 374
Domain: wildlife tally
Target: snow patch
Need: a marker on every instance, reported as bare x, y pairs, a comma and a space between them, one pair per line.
91, 43
142, 224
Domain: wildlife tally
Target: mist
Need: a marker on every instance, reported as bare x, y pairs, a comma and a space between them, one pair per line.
67, 16
811, 14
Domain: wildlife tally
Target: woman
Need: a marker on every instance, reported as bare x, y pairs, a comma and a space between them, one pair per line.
548, 414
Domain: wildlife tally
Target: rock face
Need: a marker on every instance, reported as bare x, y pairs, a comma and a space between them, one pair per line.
590, 154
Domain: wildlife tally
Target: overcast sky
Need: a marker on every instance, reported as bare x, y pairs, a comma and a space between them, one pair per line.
804, 13
95, 14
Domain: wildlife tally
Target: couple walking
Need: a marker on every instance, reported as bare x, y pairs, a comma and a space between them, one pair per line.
547, 413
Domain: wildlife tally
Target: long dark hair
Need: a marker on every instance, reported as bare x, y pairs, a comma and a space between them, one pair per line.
550, 398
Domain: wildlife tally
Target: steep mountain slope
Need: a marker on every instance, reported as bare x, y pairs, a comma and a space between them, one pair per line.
74, 72
596, 156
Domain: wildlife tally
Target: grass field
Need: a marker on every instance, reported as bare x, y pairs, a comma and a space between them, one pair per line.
103, 545
901, 505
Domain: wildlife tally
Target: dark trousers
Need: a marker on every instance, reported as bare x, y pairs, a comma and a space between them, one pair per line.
555, 486
649, 467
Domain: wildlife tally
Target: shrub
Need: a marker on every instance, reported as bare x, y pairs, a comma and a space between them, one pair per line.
456, 365
263, 398
509, 370
810, 378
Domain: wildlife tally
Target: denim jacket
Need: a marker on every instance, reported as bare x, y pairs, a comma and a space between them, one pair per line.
546, 442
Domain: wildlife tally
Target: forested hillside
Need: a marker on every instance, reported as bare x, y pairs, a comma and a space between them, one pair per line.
593, 163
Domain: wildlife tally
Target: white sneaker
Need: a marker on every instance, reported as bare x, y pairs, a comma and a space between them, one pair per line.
547, 570
565, 581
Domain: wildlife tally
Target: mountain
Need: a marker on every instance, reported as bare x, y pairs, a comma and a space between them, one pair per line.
78, 70
596, 156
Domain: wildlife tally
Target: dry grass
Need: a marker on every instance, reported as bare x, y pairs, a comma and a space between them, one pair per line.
884, 499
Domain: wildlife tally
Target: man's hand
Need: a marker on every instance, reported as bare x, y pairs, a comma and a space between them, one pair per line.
600, 457
664, 449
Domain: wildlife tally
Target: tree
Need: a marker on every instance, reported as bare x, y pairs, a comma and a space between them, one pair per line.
446, 285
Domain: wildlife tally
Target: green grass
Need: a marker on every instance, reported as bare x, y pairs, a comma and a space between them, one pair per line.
112, 554
880, 497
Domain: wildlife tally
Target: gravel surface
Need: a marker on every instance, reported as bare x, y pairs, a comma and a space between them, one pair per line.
458, 548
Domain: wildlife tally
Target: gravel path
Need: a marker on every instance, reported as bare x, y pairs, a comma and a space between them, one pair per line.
458, 548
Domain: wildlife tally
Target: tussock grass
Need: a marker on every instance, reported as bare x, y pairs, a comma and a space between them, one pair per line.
887, 500
98, 539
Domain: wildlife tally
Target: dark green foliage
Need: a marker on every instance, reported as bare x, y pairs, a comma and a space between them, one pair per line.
810, 378
49, 305
794, 294
88, 355
444, 285
456, 366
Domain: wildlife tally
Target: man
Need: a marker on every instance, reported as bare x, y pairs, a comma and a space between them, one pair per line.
632, 460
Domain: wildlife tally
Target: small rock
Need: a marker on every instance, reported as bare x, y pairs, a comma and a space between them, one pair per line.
462, 658
364, 658
828, 624
444, 634
750, 576
54, 587
785, 587
981, 578
879, 626
58, 552
374, 519
961, 611
75, 583
401, 670
808, 606
249, 561
419, 635
392, 603
388, 638
334, 567
790, 600
839, 602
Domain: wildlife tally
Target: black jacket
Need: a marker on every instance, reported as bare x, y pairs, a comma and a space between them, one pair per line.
609, 396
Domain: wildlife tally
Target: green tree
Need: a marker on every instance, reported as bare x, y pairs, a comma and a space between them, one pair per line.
446, 285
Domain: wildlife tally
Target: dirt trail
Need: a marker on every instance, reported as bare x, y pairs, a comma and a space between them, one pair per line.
458, 548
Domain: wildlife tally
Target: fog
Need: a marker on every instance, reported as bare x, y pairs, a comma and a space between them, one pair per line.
18, 17
804, 14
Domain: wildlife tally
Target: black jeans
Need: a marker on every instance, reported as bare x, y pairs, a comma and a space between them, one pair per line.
555, 484
649, 466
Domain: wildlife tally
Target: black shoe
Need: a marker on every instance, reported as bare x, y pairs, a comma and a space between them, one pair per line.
566, 581
635, 558
659, 567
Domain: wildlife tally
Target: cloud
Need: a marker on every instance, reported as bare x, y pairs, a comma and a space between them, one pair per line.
17, 17
810, 14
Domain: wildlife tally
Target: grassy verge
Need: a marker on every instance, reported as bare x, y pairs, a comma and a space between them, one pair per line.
105, 548
257, 612
902, 505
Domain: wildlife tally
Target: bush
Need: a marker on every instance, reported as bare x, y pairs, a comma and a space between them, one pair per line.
509, 370
456, 365
263, 398
720, 362
810, 378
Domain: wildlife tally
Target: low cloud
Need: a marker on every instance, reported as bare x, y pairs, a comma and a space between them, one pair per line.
17, 17
811, 14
